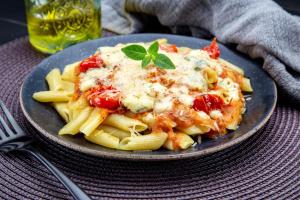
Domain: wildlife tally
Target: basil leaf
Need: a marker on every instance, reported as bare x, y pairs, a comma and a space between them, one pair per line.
135, 52
163, 62
153, 49
138, 52
146, 61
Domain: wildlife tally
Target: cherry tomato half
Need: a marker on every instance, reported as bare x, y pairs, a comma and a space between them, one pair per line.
94, 61
207, 103
104, 97
213, 49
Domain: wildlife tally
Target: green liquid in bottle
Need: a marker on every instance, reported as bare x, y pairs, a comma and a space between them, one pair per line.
57, 24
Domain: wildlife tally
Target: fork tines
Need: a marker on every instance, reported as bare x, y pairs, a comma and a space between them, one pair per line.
15, 130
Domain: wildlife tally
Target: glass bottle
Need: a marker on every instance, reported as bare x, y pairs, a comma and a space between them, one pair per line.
56, 24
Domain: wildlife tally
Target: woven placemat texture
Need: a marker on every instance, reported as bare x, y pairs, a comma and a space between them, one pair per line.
266, 166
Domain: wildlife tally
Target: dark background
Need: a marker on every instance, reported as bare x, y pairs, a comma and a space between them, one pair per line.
13, 20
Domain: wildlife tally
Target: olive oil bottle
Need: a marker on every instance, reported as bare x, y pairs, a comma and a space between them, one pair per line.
56, 24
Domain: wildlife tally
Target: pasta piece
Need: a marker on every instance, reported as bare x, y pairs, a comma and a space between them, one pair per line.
104, 139
54, 80
68, 86
76, 106
167, 92
232, 115
195, 130
52, 96
73, 126
69, 72
114, 131
181, 140
210, 75
55, 84
62, 110
151, 141
94, 120
125, 123
231, 66
149, 119
232, 126
246, 85
162, 41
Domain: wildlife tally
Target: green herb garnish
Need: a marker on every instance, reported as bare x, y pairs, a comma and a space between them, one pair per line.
197, 68
138, 52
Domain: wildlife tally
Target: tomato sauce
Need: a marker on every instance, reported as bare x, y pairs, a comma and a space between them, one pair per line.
175, 141
169, 48
213, 49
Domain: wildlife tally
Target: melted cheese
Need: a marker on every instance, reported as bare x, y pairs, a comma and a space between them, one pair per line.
138, 103
182, 94
139, 94
215, 114
89, 79
164, 104
231, 88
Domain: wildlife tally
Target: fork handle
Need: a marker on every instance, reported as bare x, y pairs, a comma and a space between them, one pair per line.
75, 191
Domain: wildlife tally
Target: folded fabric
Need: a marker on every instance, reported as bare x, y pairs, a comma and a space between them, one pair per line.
261, 29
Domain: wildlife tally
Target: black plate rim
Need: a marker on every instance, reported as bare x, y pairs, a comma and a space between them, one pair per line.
139, 157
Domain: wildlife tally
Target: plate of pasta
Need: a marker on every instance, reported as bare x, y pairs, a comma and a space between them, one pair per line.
148, 97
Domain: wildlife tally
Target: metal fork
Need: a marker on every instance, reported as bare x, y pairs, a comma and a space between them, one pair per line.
13, 138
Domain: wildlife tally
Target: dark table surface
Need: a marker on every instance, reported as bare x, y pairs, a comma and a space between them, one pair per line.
13, 20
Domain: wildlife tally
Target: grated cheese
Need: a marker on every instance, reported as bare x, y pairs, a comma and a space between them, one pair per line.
139, 94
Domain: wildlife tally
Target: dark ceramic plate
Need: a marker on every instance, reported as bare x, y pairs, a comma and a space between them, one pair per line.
260, 104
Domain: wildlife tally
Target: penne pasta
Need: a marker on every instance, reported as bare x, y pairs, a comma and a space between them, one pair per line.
68, 86
69, 72
162, 41
62, 110
231, 66
232, 115
125, 123
148, 119
102, 138
246, 85
151, 141
114, 131
94, 120
210, 75
128, 105
52, 96
195, 130
181, 141
76, 106
74, 125
54, 80
184, 141
232, 126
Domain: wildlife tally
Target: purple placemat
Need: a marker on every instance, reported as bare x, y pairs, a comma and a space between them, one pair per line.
266, 166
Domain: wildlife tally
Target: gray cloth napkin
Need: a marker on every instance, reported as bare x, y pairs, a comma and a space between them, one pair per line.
260, 29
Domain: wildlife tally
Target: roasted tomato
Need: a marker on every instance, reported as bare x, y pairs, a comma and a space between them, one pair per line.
104, 97
208, 102
169, 48
213, 49
94, 61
